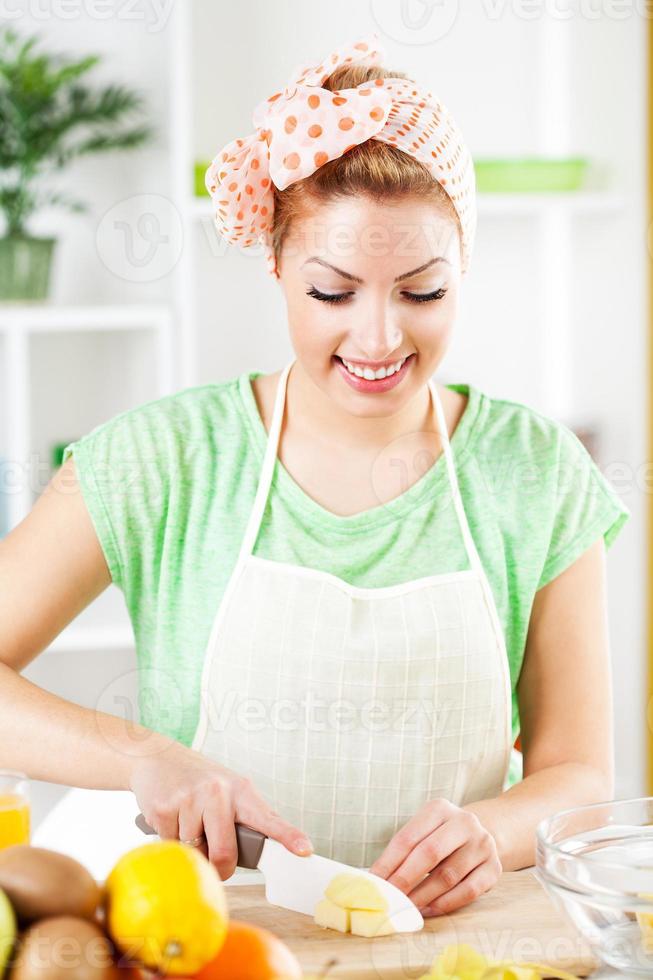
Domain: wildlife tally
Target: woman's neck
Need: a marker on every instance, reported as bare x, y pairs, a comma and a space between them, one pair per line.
310, 411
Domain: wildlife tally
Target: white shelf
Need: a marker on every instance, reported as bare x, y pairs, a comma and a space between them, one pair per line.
32, 333
37, 317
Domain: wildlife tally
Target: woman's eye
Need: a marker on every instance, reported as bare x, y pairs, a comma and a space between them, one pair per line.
425, 297
340, 297
327, 297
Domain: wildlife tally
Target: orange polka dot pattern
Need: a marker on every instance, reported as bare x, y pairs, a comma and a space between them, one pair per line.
304, 126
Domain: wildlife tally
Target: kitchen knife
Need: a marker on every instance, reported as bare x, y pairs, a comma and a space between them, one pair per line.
298, 882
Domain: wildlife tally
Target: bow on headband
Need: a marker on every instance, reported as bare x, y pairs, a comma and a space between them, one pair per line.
305, 126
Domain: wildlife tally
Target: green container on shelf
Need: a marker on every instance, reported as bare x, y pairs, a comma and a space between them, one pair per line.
25, 264
530, 174
201, 166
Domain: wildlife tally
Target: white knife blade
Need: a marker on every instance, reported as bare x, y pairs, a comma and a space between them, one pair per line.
298, 882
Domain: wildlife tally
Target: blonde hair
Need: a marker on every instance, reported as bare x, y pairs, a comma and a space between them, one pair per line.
374, 169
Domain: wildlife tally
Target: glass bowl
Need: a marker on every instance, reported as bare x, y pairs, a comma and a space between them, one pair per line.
596, 862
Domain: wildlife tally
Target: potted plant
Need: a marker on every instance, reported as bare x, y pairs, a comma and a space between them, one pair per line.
48, 116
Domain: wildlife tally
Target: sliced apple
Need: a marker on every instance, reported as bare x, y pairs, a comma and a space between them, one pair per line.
353, 903
367, 922
331, 916
351, 891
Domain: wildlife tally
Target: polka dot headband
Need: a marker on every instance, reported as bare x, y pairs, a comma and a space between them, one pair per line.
304, 126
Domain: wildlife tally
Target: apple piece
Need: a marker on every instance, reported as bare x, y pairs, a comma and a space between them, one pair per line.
367, 922
351, 891
331, 916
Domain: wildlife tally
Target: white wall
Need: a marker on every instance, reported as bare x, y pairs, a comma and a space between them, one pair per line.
485, 67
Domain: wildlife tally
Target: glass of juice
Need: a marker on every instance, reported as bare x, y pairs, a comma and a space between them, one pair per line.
14, 808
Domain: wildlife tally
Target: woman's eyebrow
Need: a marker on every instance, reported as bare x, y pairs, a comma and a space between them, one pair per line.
348, 275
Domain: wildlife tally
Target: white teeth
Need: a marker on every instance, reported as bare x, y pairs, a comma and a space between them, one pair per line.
371, 375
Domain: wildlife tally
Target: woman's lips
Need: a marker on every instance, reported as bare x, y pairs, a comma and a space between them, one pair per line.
383, 384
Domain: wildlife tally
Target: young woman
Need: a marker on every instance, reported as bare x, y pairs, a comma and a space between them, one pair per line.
352, 588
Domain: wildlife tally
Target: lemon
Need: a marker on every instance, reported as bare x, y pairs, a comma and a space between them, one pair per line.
165, 906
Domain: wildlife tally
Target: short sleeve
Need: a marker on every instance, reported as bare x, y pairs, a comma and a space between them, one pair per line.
93, 494
585, 507
122, 468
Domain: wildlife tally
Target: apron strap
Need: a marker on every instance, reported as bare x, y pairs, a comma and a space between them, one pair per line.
267, 470
270, 458
470, 547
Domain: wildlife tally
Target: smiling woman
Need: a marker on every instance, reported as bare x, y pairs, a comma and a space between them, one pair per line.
352, 587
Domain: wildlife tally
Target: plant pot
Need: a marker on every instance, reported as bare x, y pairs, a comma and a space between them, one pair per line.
25, 264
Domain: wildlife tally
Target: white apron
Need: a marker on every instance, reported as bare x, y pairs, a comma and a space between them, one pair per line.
351, 707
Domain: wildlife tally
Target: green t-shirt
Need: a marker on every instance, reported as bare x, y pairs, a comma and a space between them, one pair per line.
169, 486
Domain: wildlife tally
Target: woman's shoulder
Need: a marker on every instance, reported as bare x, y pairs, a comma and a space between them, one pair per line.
507, 426
191, 414
542, 483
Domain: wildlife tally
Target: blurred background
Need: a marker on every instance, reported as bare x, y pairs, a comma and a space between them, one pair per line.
130, 294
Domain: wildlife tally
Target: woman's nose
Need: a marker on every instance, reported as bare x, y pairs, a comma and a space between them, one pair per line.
379, 336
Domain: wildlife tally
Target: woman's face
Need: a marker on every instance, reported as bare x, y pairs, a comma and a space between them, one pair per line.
355, 293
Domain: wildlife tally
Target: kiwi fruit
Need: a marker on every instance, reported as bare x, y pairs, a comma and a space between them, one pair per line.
40, 883
64, 947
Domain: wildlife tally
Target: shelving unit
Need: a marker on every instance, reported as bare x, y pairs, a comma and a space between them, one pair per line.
106, 359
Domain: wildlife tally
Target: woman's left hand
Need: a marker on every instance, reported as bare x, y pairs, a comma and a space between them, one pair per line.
451, 848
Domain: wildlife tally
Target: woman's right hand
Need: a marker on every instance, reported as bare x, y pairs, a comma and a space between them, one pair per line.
183, 794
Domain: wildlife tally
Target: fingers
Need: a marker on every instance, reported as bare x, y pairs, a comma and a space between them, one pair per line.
478, 881
449, 873
218, 818
425, 822
286, 833
431, 855
191, 826
255, 812
165, 822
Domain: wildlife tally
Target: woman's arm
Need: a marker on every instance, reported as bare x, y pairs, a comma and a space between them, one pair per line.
565, 708
51, 568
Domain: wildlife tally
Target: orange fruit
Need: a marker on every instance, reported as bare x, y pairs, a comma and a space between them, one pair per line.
250, 952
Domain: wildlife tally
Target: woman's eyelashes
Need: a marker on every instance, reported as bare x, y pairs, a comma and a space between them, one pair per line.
342, 297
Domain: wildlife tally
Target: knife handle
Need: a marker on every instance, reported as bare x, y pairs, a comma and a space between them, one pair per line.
250, 842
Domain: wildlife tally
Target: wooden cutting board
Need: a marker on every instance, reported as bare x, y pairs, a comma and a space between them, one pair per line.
514, 920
